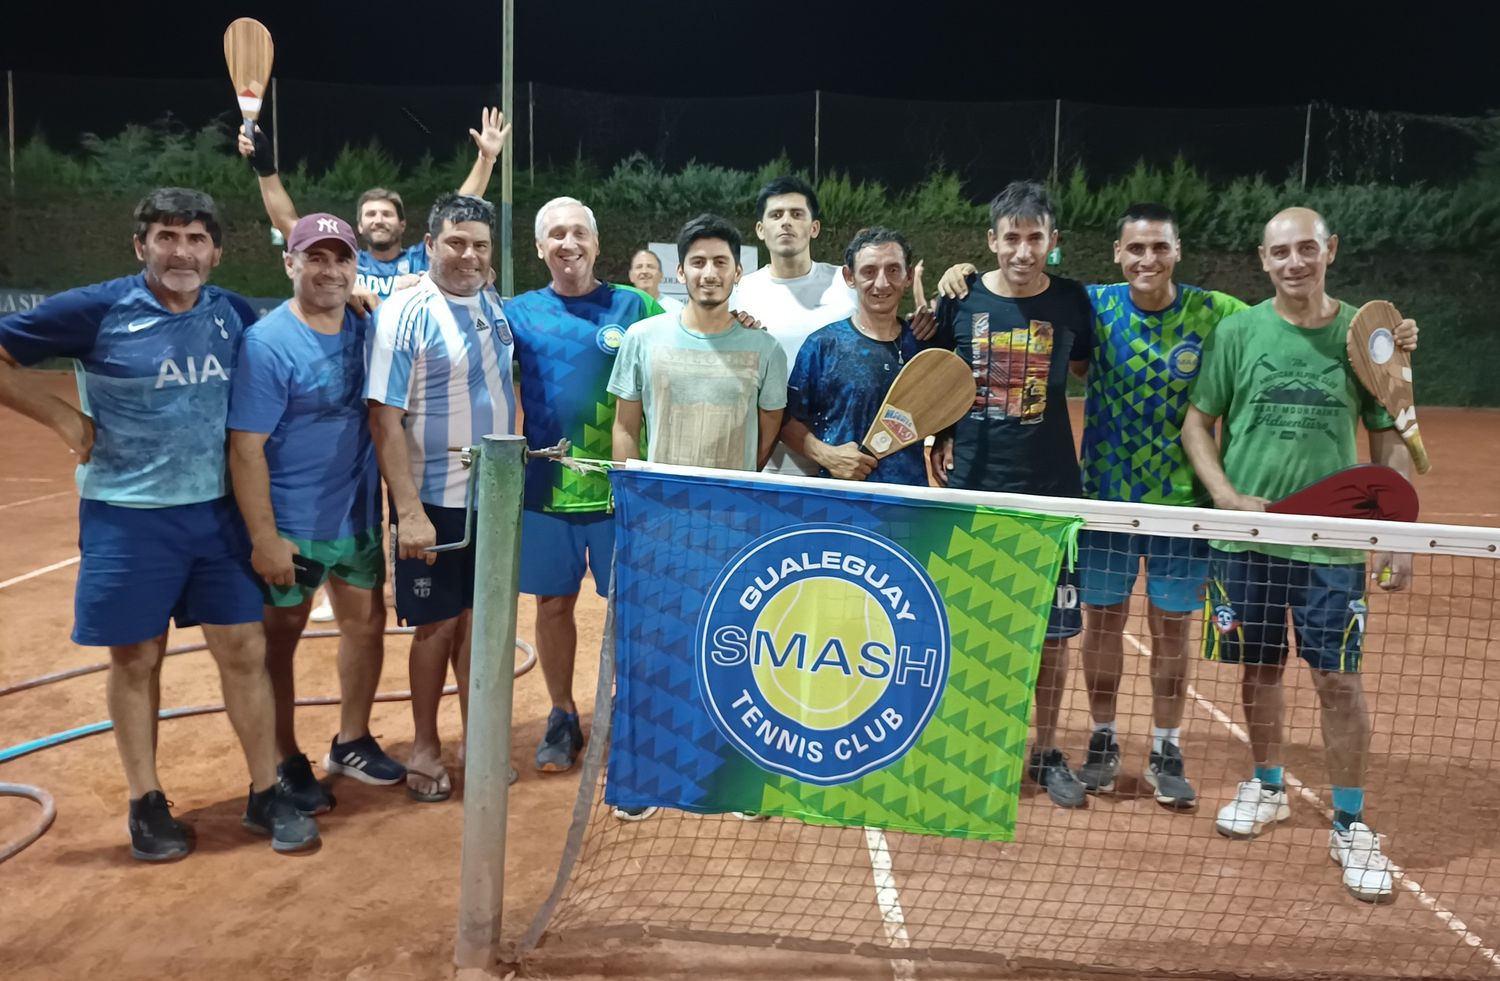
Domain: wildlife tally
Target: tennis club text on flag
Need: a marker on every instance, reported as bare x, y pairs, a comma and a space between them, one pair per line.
837, 656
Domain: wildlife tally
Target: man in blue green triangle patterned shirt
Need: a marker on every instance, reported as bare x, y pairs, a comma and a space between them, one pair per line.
1149, 333
567, 334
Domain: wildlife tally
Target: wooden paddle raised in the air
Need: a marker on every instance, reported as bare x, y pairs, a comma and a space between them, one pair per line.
1385, 370
930, 394
248, 52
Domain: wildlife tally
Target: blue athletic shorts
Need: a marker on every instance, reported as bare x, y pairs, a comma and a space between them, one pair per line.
441, 591
1176, 569
143, 567
555, 548
1066, 619
1249, 594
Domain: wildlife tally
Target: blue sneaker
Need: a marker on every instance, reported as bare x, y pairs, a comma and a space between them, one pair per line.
364, 760
562, 743
296, 778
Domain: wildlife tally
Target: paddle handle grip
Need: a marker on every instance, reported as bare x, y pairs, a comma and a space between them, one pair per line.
1413, 438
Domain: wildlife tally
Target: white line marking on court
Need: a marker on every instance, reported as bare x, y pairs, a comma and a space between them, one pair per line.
39, 572
1444, 915
29, 480
33, 500
1463, 514
889, 901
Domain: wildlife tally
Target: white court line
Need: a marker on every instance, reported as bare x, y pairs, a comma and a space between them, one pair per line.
889, 901
1447, 917
29, 480
39, 572
33, 500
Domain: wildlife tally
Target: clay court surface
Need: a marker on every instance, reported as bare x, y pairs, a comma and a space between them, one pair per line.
379, 899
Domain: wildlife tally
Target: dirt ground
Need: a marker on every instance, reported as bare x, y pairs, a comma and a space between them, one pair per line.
378, 901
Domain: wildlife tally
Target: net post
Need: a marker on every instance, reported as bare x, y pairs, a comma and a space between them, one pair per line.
502, 464
508, 155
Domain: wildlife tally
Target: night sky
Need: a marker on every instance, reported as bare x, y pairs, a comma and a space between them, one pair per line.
1149, 54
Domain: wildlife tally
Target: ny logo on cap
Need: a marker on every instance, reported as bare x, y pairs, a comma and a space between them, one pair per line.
328, 225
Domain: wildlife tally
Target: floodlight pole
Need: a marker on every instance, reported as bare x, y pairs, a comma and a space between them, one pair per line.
492, 673
508, 156
1306, 142
10, 124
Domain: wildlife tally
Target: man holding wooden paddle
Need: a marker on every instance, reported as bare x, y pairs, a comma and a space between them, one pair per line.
385, 266
844, 370
1278, 376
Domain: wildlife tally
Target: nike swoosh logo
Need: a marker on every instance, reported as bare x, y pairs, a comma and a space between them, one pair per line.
136, 325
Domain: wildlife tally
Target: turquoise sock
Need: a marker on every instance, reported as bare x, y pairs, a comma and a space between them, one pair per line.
1348, 805
1269, 776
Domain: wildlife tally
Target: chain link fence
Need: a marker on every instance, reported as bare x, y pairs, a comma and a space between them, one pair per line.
894, 141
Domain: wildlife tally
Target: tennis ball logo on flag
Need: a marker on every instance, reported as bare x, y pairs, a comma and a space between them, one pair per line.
822, 652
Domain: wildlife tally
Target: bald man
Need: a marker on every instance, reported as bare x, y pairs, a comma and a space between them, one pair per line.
1279, 377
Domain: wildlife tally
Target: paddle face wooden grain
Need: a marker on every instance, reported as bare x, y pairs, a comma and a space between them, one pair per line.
930, 394
248, 52
1385, 370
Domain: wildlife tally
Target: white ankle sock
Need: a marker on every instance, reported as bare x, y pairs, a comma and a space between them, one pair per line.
1160, 735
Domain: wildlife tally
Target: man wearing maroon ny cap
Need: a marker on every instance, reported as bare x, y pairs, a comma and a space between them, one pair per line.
306, 481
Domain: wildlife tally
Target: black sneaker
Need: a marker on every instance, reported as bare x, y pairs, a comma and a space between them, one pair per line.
560, 746
272, 812
1102, 764
1051, 770
1165, 773
154, 835
364, 760
296, 778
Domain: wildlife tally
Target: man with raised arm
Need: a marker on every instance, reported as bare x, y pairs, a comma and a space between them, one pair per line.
385, 265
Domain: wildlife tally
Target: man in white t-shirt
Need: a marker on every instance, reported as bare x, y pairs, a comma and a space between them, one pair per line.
793, 296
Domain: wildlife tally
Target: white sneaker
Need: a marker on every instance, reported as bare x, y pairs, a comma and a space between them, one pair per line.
634, 813
1367, 873
750, 816
323, 612
1251, 811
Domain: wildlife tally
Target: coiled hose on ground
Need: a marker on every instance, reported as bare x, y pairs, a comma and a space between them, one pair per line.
44, 800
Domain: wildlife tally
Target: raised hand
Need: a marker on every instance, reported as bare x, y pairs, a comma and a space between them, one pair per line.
491, 134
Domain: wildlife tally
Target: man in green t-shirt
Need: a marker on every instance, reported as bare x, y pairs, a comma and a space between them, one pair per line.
1279, 377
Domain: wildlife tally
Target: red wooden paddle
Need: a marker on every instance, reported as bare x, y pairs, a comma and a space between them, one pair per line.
1365, 491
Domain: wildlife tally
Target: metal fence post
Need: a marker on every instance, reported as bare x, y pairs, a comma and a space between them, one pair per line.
1306, 141
507, 268
1056, 138
531, 133
817, 131
502, 465
10, 124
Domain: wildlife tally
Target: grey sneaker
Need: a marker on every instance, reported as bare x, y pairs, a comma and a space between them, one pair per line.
1050, 770
1102, 764
272, 813
561, 743
1164, 773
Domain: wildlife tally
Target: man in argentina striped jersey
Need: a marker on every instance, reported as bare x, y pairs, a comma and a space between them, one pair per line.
439, 375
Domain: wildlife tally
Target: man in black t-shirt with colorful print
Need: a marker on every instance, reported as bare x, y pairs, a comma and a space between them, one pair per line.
1023, 331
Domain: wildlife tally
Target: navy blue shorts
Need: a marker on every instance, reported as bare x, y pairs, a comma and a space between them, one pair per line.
555, 549
1176, 569
441, 591
141, 568
1066, 619
1249, 595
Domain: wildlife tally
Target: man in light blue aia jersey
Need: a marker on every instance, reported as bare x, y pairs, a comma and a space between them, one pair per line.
160, 537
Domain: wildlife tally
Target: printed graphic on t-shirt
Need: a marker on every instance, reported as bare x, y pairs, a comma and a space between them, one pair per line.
703, 399
1299, 400
1011, 369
